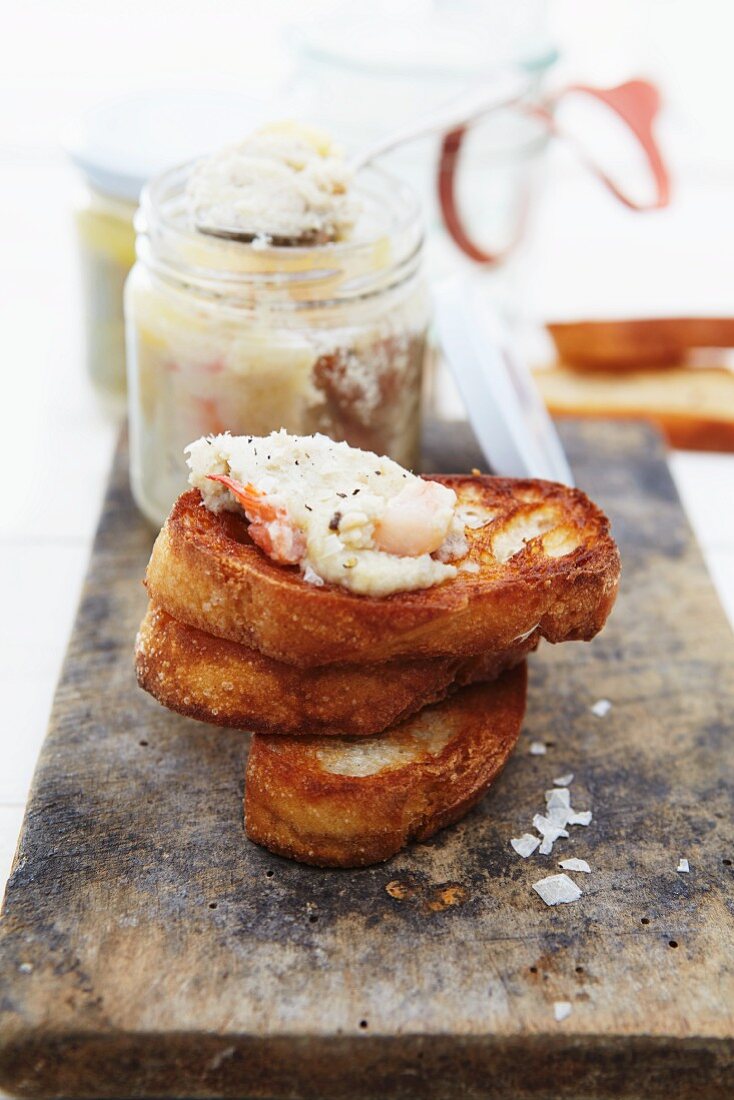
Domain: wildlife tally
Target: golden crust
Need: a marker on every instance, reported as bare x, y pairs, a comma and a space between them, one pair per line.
621, 345
545, 560
227, 684
297, 808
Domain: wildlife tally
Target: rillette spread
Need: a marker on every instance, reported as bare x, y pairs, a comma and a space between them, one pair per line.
285, 184
344, 516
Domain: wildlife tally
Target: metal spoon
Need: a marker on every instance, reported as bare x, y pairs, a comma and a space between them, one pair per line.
506, 87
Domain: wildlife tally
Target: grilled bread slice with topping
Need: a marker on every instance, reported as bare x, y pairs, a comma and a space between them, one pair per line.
227, 684
336, 802
539, 557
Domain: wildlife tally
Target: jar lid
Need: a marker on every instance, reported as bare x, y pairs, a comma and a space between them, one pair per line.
122, 144
507, 414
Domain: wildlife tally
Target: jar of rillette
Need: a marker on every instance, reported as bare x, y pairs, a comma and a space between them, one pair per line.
251, 335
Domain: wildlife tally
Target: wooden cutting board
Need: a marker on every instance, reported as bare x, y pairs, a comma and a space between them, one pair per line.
148, 949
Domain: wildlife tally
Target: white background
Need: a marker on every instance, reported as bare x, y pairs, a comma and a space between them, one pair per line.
583, 254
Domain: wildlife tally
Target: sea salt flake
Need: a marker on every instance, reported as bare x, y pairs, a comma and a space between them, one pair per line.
559, 797
537, 748
564, 780
601, 708
683, 865
559, 816
561, 1010
582, 817
550, 832
575, 865
547, 827
557, 890
525, 845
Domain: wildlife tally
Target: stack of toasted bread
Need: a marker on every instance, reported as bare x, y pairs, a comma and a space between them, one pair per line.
649, 369
375, 720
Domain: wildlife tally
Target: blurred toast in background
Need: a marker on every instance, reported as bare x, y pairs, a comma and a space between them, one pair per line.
645, 369
633, 344
693, 406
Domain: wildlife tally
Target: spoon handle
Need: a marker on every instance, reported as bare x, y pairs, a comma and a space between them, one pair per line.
506, 86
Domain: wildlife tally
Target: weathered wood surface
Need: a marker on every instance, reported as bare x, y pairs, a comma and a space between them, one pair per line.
147, 949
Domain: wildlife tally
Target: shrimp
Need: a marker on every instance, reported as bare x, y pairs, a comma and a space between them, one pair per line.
417, 520
270, 528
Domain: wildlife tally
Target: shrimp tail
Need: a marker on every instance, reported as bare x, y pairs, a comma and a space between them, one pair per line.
251, 499
269, 527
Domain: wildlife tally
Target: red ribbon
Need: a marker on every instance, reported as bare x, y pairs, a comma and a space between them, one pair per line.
637, 103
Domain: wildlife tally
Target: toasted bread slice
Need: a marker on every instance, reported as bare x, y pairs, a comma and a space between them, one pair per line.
340, 803
542, 559
227, 684
693, 406
656, 342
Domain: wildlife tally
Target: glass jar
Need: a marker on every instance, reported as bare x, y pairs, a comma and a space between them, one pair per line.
366, 67
116, 148
106, 244
228, 336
